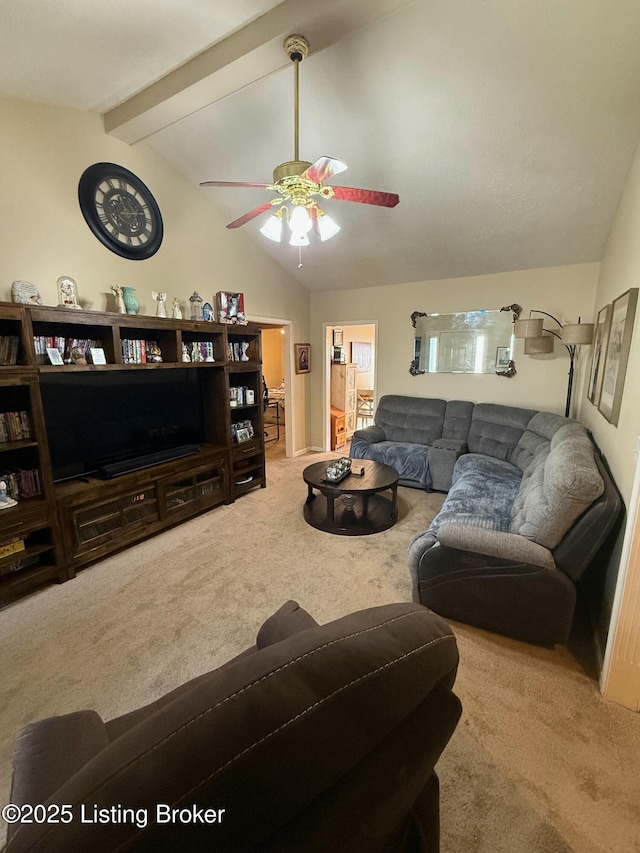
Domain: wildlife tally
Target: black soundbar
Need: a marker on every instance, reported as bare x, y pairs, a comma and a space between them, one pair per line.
115, 469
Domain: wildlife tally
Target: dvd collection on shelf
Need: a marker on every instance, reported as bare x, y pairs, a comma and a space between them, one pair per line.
135, 351
71, 349
9, 346
14, 426
22, 483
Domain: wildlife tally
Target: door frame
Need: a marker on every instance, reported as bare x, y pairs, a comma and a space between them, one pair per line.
327, 329
289, 391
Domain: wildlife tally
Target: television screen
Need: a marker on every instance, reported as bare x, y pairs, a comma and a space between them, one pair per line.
97, 418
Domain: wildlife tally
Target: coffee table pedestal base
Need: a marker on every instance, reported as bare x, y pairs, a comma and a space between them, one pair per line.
350, 514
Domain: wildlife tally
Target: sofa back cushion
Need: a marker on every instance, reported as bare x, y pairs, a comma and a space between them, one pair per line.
559, 484
496, 430
415, 419
539, 432
457, 419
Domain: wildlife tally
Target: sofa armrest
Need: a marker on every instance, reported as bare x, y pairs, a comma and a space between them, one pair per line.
443, 454
495, 543
372, 434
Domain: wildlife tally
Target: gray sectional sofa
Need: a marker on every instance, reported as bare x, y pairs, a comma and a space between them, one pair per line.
529, 504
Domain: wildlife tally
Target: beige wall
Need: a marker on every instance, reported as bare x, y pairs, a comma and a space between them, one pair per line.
620, 270
44, 150
541, 382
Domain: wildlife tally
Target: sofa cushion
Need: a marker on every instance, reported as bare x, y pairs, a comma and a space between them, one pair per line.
457, 420
481, 495
539, 432
557, 487
496, 430
417, 420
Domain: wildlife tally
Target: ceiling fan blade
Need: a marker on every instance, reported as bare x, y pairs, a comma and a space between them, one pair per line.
231, 184
251, 215
366, 196
323, 169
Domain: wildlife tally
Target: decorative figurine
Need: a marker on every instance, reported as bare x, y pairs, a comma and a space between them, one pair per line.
25, 292
177, 310
195, 301
244, 346
5, 500
68, 293
116, 289
160, 298
154, 353
207, 311
185, 353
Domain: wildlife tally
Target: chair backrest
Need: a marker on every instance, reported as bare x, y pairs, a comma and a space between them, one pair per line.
325, 738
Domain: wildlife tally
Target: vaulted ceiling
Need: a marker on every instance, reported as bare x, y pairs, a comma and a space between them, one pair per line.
507, 128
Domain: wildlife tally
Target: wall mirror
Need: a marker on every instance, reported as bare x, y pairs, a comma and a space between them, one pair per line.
465, 342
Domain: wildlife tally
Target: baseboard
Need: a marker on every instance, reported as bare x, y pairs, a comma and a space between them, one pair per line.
303, 451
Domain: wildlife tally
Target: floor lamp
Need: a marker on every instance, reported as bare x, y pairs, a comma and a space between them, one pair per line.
572, 335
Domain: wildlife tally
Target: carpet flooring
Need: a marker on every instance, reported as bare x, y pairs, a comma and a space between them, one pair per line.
540, 762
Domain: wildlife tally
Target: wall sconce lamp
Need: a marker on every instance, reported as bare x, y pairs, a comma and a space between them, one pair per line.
572, 335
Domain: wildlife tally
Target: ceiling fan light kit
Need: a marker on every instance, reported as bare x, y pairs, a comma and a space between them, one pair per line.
299, 183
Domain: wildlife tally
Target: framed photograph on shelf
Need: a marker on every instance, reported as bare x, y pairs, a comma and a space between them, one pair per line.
361, 355
55, 356
338, 338
230, 307
617, 354
601, 338
503, 357
97, 355
303, 358
243, 434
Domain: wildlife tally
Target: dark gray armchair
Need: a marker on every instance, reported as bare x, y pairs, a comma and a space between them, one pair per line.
317, 738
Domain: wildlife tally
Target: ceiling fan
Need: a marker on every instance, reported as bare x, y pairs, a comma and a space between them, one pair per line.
301, 183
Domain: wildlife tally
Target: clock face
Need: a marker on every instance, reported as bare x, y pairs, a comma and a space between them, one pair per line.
120, 211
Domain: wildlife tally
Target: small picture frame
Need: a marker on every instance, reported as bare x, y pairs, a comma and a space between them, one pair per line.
303, 358
97, 355
230, 307
242, 435
207, 311
503, 357
55, 356
338, 338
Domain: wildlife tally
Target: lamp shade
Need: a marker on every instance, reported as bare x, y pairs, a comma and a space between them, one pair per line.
530, 328
537, 345
577, 333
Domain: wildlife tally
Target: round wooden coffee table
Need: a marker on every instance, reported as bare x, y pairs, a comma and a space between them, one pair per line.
354, 506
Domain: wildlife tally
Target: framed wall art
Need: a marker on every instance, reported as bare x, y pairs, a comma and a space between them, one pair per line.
617, 354
600, 340
338, 338
303, 358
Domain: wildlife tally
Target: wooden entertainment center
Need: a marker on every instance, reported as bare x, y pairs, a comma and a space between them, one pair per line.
58, 527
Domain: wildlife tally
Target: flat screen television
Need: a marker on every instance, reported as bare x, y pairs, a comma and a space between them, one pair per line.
100, 418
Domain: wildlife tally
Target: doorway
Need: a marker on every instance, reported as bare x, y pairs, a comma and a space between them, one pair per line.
350, 381
276, 372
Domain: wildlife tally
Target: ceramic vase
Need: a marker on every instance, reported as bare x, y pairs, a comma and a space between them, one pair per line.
130, 300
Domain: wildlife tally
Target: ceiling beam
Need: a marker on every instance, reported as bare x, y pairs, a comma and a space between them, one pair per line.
245, 56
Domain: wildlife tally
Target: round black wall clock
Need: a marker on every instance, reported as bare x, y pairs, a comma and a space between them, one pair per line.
120, 211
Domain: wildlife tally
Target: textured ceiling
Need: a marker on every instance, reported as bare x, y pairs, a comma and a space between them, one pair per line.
507, 128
